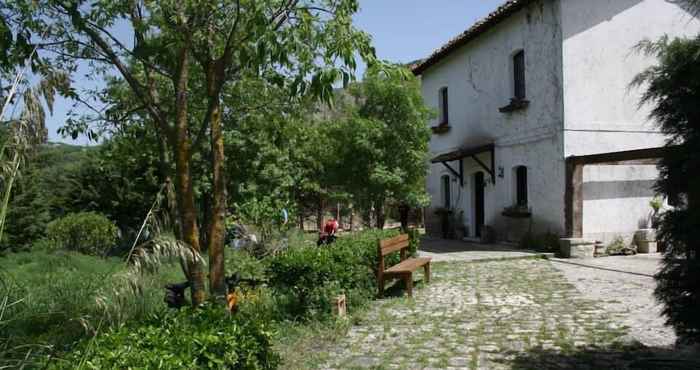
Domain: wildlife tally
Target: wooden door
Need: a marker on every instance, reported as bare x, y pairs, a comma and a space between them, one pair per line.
479, 205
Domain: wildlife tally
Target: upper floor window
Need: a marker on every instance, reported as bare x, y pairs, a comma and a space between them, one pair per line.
444, 107
521, 186
519, 75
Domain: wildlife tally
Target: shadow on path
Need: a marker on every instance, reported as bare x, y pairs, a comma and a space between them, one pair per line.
632, 356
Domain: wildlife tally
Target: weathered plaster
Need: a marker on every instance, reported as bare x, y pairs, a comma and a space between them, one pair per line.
579, 64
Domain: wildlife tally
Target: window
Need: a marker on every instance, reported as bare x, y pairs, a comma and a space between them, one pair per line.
446, 192
521, 186
519, 75
444, 107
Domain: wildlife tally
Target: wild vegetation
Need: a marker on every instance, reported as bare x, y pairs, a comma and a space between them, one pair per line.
672, 90
216, 118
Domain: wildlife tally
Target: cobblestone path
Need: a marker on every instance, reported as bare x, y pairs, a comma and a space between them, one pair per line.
484, 315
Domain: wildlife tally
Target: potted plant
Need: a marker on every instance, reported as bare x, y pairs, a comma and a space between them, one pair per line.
517, 211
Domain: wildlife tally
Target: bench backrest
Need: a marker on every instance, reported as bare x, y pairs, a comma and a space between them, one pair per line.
387, 246
394, 244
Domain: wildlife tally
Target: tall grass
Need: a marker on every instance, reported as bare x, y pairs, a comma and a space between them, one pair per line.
55, 299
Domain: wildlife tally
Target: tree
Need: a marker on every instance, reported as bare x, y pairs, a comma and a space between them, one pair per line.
177, 45
672, 89
383, 143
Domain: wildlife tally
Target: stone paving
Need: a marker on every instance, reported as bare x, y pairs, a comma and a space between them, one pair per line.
456, 250
485, 315
623, 285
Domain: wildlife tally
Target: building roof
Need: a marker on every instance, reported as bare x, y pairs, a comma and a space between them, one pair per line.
502, 12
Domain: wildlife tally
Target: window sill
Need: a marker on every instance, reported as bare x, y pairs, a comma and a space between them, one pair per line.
515, 105
517, 212
441, 129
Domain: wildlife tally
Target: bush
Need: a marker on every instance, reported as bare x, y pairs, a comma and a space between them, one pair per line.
189, 339
311, 276
618, 247
414, 241
546, 242
88, 233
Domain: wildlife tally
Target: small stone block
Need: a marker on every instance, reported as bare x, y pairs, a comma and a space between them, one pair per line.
577, 248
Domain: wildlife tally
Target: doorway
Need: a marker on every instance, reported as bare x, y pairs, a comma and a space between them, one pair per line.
479, 210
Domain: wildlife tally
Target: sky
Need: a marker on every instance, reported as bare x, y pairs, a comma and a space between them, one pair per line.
402, 31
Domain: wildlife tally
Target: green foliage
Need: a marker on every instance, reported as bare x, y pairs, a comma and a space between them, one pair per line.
44, 192
204, 338
116, 179
64, 297
618, 247
414, 241
673, 90
87, 233
311, 276
380, 142
545, 242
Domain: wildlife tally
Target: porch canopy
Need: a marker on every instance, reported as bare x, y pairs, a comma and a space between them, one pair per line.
468, 152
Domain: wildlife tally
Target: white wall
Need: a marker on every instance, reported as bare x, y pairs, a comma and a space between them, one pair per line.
479, 79
601, 109
616, 200
599, 62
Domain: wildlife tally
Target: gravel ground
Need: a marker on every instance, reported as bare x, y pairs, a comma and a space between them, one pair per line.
624, 286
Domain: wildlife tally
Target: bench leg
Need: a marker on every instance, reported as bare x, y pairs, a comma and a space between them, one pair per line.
381, 286
409, 284
427, 272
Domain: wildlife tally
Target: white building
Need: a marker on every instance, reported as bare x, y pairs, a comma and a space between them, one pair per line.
528, 95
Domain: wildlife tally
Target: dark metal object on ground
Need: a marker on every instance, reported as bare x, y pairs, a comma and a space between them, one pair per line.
325, 240
175, 294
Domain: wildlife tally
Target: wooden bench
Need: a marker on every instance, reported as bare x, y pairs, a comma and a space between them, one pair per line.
402, 270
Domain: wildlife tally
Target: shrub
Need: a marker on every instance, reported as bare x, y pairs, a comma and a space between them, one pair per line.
414, 241
88, 233
311, 276
189, 339
618, 247
546, 242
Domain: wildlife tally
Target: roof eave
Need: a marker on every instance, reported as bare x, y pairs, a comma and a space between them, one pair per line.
500, 14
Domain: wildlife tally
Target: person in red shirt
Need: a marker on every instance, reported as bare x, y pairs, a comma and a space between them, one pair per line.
327, 236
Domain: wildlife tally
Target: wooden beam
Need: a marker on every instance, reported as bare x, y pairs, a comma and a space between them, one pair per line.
485, 167
573, 200
459, 175
621, 157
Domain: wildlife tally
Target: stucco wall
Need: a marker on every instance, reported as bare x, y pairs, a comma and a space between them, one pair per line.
580, 60
616, 200
601, 109
479, 80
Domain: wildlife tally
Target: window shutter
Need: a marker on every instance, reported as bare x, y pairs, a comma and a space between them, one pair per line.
445, 106
519, 75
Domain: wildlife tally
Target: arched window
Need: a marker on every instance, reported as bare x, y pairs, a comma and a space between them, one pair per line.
446, 192
521, 186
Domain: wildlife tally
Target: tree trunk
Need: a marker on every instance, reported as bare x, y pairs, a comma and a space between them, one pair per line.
403, 215
381, 217
217, 227
301, 219
319, 214
352, 217
183, 181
